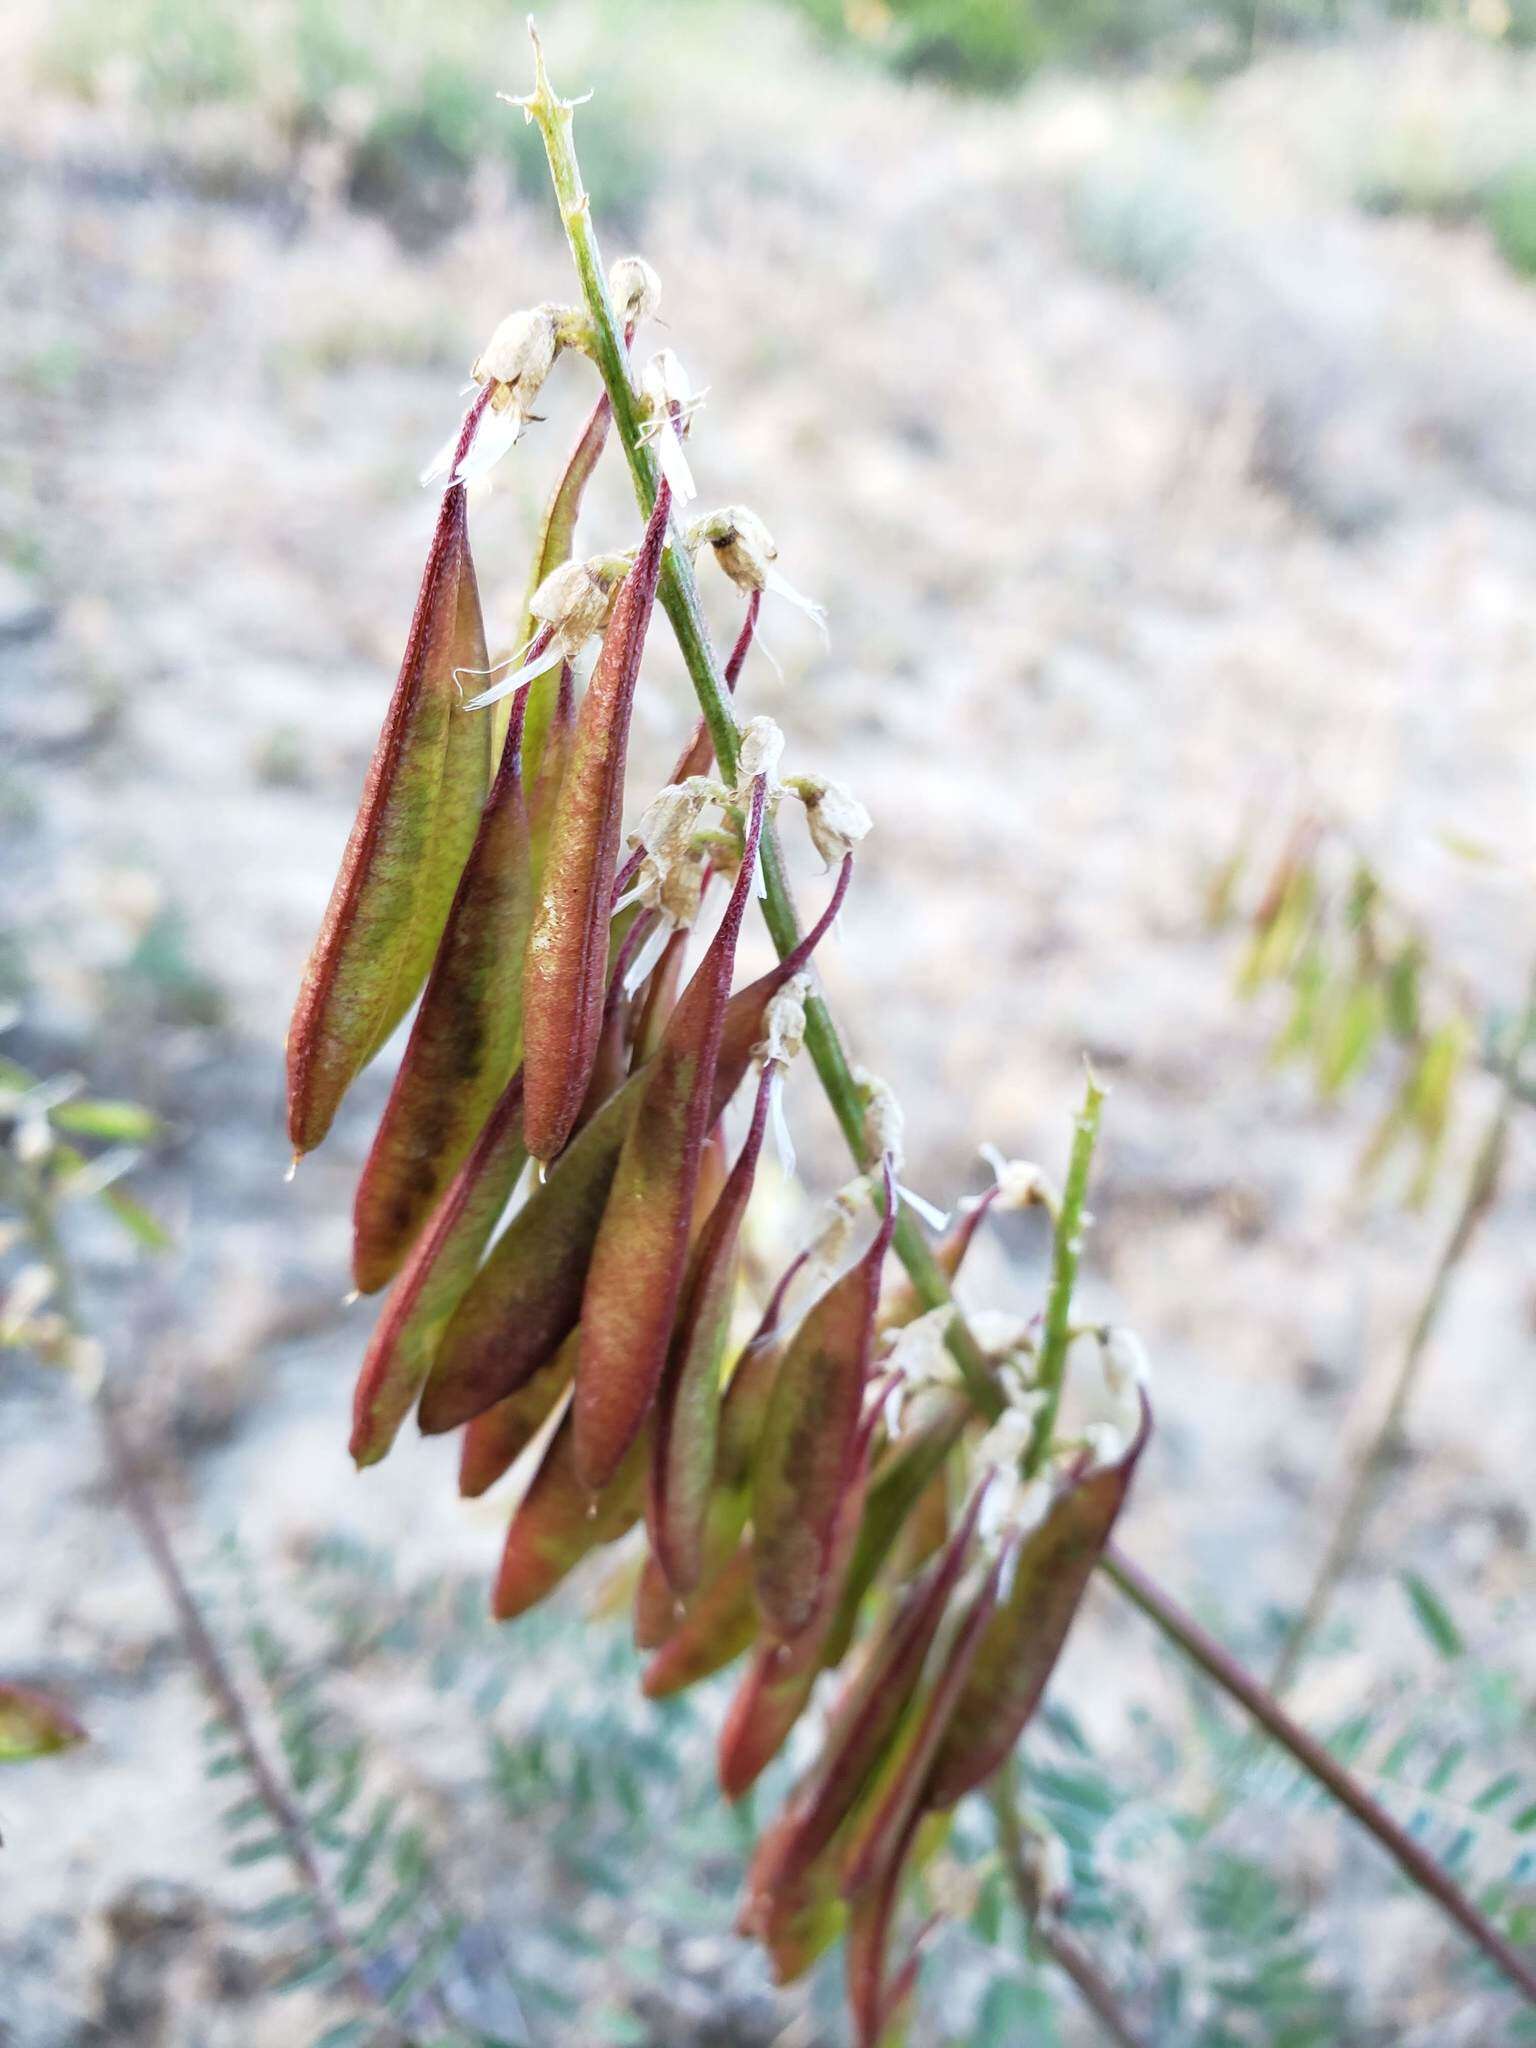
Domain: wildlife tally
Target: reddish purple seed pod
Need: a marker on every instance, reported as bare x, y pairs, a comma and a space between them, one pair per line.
435, 1278
559, 1522
409, 841
495, 1441
872, 1703
1024, 1638
565, 971
641, 1247
467, 1037
683, 1469
810, 1437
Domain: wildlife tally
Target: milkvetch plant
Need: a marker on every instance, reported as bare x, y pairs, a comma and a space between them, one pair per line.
874, 1491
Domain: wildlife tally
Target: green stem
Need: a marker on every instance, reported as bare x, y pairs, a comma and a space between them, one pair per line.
1066, 1252
680, 598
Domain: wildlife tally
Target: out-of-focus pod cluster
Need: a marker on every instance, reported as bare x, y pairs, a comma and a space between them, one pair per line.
553, 1204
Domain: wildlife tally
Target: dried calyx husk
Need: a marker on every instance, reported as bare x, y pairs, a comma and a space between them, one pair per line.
559, 1198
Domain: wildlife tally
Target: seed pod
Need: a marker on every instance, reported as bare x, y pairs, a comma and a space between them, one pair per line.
688, 1400
465, 1042
557, 539
435, 1277
409, 841
720, 1623
902, 1475
745, 1403
658, 999
895, 1804
658, 1610
564, 975
795, 1920
542, 782
558, 1523
495, 1441
642, 1243
779, 1680
810, 1435
1019, 1647
528, 1293
871, 1705
878, 2005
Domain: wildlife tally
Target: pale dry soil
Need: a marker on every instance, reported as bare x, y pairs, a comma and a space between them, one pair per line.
1113, 575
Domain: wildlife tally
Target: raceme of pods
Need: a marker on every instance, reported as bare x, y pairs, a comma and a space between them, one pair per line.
412, 834
806, 1502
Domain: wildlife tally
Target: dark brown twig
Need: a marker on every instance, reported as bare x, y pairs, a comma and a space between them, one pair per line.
1186, 1634
1064, 1950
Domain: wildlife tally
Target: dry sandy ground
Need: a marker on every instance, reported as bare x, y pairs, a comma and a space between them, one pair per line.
1109, 571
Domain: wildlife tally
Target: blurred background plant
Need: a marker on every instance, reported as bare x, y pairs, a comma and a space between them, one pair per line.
1365, 990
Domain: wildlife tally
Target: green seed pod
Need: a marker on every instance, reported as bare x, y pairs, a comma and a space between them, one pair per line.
564, 976
411, 837
435, 1277
558, 1522
495, 1441
466, 1040
720, 1623
32, 1725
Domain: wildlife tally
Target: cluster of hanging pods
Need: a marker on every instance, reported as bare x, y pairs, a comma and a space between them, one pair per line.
551, 1203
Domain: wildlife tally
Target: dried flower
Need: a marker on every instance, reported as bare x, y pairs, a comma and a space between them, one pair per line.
745, 551
836, 818
672, 402
635, 290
